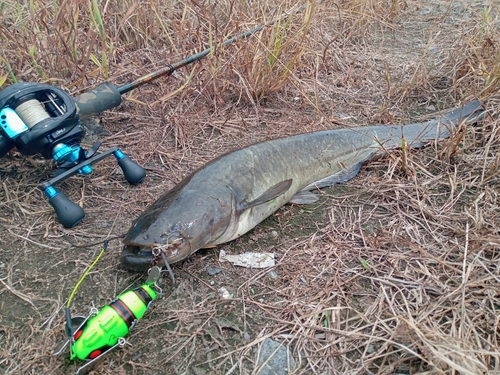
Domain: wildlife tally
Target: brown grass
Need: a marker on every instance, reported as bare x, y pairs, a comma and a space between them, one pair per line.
394, 272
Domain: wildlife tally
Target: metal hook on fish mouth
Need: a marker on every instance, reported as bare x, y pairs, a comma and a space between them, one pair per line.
158, 251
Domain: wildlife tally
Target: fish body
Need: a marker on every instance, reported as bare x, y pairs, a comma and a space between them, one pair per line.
233, 193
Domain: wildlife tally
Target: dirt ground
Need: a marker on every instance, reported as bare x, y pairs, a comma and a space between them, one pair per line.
394, 272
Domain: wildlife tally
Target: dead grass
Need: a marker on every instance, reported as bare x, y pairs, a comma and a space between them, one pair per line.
395, 272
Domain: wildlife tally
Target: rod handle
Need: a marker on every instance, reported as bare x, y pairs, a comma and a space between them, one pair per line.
93, 102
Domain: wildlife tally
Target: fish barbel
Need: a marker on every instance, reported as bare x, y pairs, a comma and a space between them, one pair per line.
233, 193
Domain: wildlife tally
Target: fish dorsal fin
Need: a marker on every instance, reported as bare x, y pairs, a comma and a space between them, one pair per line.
270, 194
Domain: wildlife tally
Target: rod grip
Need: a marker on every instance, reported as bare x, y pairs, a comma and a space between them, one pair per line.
95, 101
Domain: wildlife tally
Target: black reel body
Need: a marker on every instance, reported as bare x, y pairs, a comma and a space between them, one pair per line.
35, 116
42, 119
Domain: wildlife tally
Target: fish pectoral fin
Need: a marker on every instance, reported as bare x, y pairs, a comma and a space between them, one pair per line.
304, 197
337, 178
270, 194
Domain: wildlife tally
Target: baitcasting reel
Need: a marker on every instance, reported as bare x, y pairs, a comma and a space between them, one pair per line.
39, 118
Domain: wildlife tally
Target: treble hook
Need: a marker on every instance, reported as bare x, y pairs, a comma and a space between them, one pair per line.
158, 251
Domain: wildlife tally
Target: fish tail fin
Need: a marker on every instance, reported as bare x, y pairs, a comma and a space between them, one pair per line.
420, 134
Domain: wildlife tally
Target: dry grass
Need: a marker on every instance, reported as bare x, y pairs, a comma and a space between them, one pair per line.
396, 272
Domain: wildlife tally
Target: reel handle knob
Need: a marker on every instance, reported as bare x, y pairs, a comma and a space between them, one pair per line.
133, 172
67, 211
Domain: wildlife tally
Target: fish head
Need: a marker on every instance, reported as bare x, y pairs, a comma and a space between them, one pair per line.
143, 244
176, 225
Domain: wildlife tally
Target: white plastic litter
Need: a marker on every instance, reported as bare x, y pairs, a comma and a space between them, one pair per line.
248, 260
224, 293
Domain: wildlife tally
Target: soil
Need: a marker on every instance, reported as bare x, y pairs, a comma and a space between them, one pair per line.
328, 253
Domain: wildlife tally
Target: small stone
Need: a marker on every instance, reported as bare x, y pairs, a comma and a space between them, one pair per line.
213, 271
278, 359
427, 11
372, 348
124, 197
104, 225
273, 274
137, 356
212, 282
274, 234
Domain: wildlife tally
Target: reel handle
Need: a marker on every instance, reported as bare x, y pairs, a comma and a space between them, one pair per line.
133, 172
98, 100
67, 211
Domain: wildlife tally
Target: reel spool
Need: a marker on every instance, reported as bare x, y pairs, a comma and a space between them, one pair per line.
39, 118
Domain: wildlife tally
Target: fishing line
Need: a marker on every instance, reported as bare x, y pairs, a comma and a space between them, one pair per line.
32, 112
69, 328
97, 243
89, 268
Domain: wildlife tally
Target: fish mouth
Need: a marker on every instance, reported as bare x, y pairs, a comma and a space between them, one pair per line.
140, 258
136, 258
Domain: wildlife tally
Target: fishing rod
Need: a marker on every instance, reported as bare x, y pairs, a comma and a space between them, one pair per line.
38, 118
108, 96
